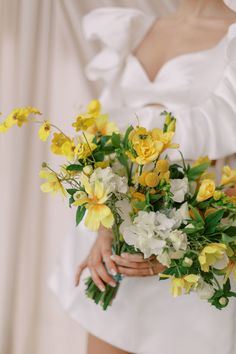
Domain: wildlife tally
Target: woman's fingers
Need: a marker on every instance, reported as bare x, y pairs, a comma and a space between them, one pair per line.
110, 264
102, 272
79, 272
136, 257
130, 264
130, 272
97, 279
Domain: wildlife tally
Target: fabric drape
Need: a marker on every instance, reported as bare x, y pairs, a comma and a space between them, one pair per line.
43, 55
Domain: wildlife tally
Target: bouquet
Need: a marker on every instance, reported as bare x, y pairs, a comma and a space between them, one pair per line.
125, 182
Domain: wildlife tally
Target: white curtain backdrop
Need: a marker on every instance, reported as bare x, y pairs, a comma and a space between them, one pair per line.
43, 54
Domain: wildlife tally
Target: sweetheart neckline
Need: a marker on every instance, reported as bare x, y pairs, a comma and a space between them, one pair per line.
177, 57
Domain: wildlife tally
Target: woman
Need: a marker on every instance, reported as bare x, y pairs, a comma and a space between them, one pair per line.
185, 63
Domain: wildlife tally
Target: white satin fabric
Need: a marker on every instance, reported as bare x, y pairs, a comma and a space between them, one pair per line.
200, 89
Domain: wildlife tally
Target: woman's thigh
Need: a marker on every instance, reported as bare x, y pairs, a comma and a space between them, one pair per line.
98, 346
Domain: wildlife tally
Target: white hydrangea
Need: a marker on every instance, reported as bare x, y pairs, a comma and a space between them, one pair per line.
155, 233
179, 188
112, 181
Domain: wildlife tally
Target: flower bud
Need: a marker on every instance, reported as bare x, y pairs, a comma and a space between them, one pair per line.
223, 301
88, 170
187, 262
44, 165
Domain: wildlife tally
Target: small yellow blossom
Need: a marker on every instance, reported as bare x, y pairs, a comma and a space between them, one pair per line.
88, 170
78, 197
165, 138
162, 169
218, 195
68, 149
201, 160
229, 176
83, 121
149, 179
230, 269
44, 130
53, 184
18, 116
102, 126
206, 190
57, 142
94, 107
211, 254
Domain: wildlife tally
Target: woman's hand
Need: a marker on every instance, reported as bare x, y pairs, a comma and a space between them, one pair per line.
134, 265
99, 255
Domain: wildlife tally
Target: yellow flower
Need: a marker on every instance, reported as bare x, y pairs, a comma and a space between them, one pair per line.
145, 147
211, 254
53, 184
230, 269
206, 190
207, 175
18, 116
165, 138
83, 121
229, 176
102, 126
80, 198
68, 149
187, 283
44, 130
201, 160
162, 168
83, 150
94, 107
57, 142
102, 164
97, 212
149, 179
218, 195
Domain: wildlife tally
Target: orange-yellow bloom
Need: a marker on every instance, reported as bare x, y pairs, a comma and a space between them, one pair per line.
229, 176
206, 190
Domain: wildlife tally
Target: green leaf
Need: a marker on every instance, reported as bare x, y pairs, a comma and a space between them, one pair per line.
104, 139
115, 139
231, 231
195, 172
99, 156
74, 167
80, 214
212, 220
155, 197
109, 149
71, 191
227, 286
196, 214
123, 160
227, 239
140, 205
125, 140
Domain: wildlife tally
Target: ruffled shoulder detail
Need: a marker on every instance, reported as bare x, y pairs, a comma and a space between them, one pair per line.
119, 30
231, 50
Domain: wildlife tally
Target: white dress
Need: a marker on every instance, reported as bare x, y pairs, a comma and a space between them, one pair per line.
200, 90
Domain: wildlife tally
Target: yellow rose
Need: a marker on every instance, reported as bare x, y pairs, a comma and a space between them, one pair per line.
229, 176
149, 179
147, 151
211, 254
206, 190
84, 150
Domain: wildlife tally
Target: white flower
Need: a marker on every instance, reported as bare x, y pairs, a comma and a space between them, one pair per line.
113, 182
178, 239
180, 215
205, 291
179, 187
124, 208
164, 259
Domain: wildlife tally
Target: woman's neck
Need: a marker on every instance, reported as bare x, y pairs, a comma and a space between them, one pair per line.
200, 8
